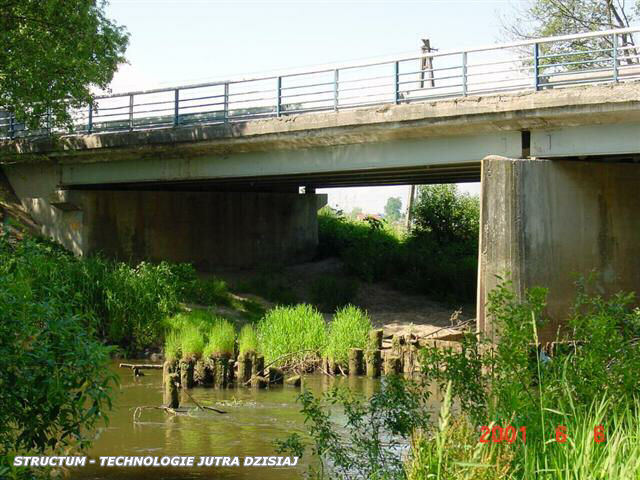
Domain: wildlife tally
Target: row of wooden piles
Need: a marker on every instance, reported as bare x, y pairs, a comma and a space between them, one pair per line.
247, 370
400, 357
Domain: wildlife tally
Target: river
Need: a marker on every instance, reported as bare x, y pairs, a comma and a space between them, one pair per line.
254, 419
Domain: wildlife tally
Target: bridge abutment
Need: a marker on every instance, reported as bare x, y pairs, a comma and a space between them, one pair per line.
208, 229
548, 223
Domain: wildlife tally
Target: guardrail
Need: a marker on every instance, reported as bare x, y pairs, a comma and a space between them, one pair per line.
544, 63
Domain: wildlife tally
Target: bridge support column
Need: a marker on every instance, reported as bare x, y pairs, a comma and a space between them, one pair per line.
547, 223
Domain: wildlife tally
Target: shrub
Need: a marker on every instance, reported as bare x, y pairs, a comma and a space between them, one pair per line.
247, 340
299, 331
222, 338
329, 292
349, 329
54, 377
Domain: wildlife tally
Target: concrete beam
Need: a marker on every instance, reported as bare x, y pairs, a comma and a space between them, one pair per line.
361, 158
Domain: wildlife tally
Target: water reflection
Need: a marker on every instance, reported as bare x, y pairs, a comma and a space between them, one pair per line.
254, 419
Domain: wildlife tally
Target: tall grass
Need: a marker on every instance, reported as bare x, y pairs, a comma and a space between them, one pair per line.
247, 340
191, 342
221, 339
172, 348
298, 332
349, 329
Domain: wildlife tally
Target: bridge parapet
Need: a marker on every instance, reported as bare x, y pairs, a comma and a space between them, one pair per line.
538, 64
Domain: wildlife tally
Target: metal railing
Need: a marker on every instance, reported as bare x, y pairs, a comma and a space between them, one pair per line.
544, 63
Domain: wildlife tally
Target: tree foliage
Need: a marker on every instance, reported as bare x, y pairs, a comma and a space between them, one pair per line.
53, 53
447, 214
392, 209
543, 18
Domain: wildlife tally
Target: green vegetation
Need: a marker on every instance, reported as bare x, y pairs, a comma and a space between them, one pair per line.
271, 286
438, 257
191, 342
172, 346
45, 68
298, 332
392, 209
248, 340
54, 381
329, 292
349, 329
221, 339
583, 386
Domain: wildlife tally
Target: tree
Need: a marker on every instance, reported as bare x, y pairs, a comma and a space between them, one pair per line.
53, 53
392, 209
448, 215
542, 18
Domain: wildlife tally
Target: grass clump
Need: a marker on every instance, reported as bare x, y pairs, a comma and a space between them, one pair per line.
172, 347
247, 340
349, 329
191, 342
299, 331
221, 339
329, 292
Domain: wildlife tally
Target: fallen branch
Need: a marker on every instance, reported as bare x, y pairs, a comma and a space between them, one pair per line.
200, 406
148, 366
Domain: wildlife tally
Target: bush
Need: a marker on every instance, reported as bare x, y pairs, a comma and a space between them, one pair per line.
349, 329
221, 339
448, 215
438, 257
329, 292
54, 377
299, 331
376, 431
248, 340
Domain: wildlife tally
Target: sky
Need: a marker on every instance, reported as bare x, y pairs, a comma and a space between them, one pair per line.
176, 42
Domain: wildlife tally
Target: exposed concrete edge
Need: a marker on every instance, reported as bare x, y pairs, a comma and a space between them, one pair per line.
474, 114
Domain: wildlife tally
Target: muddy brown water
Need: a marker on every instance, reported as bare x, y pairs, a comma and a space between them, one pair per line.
254, 419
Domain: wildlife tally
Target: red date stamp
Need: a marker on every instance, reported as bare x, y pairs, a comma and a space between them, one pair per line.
510, 434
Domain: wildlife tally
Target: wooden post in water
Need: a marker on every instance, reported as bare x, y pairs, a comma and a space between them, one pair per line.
276, 376
257, 374
244, 368
186, 373
210, 371
373, 360
221, 375
356, 361
375, 339
199, 372
392, 365
171, 398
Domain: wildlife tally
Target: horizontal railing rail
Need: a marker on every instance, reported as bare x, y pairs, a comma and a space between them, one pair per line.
536, 64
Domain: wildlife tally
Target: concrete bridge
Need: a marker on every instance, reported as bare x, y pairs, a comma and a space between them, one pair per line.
555, 142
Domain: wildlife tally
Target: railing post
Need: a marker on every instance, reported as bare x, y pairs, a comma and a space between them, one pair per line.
536, 66
90, 121
130, 112
615, 57
225, 106
464, 73
176, 107
279, 93
12, 126
396, 73
336, 79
